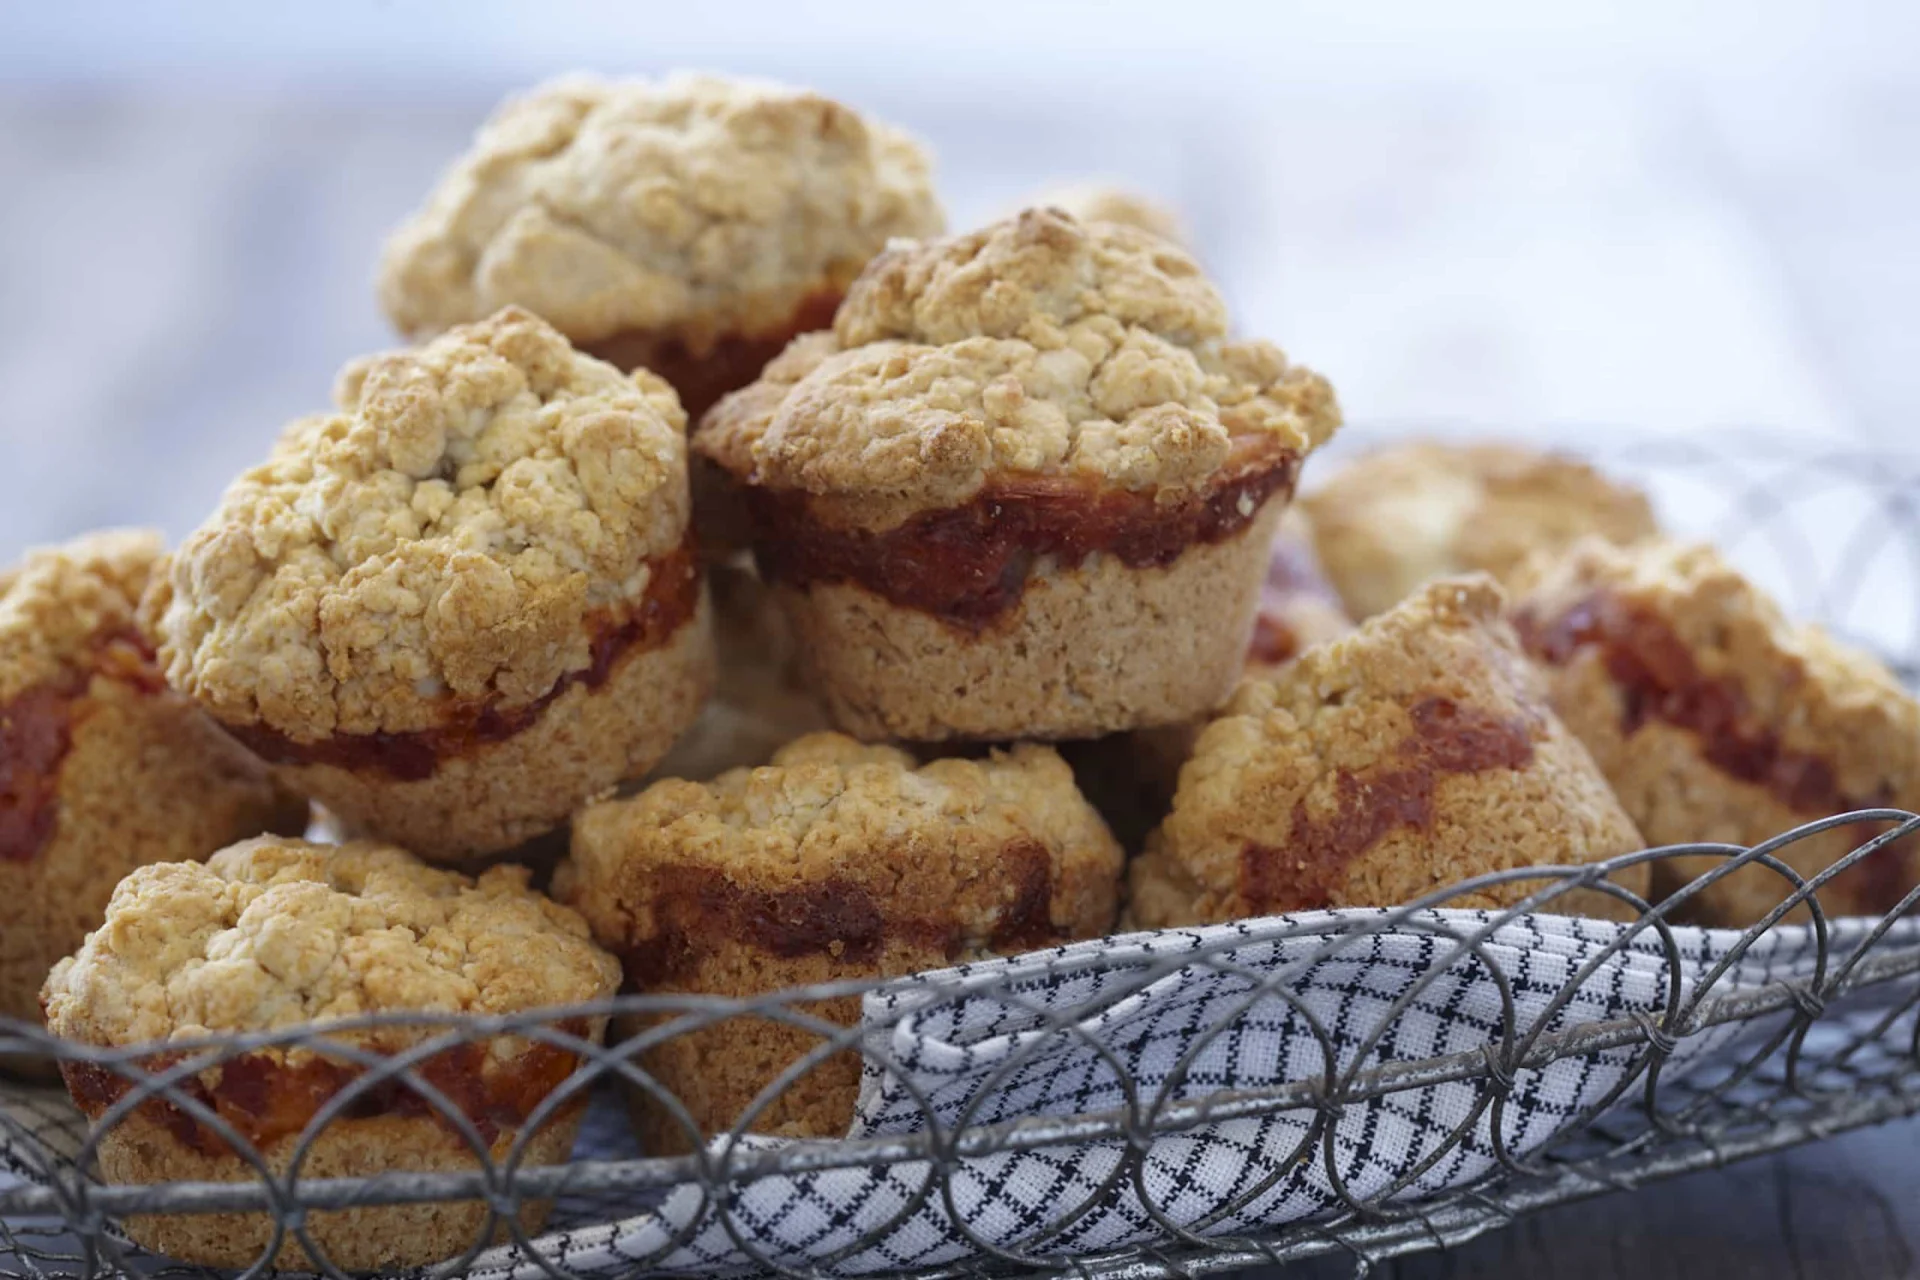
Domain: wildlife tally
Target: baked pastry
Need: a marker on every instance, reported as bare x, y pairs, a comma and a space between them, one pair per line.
1399, 516
1298, 609
690, 225
1102, 202
836, 861
1413, 754
273, 934
461, 604
1718, 719
1024, 488
102, 767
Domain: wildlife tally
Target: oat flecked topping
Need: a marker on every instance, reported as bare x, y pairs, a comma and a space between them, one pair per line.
1036, 345
59, 600
274, 933
692, 206
449, 532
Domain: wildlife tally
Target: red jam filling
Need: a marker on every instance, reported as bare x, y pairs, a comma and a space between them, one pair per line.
672, 596
1447, 739
1658, 679
265, 1100
692, 907
36, 732
702, 375
969, 565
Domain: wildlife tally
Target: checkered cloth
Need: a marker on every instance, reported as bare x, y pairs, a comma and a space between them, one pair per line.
1184, 1014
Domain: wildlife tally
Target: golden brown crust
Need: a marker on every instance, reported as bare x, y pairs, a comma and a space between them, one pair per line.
1084, 651
58, 601
141, 1150
1036, 346
1414, 753
1400, 516
836, 861
124, 771
693, 207
492, 797
1717, 718
445, 537
273, 933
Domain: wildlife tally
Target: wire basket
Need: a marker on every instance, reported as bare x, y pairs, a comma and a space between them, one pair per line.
1358, 1081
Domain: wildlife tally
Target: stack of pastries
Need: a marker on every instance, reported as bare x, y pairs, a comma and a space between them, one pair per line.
735, 529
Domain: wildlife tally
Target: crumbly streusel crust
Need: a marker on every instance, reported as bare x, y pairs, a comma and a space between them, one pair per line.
696, 206
448, 534
274, 932
1100, 202
140, 775
1035, 346
1799, 708
1399, 516
1086, 651
58, 600
836, 861
1417, 752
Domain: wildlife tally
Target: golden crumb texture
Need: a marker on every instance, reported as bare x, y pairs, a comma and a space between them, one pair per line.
1039, 345
58, 602
694, 206
1812, 693
1416, 752
1403, 515
274, 933
923, 841
448, 533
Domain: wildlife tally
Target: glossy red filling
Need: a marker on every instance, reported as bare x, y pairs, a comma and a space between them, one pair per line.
694, 908
672, 596
265, 1100
1447, 739
1659, 680
970, 564
701, 375
36, 732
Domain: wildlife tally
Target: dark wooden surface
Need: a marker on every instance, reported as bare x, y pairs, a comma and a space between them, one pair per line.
182, 273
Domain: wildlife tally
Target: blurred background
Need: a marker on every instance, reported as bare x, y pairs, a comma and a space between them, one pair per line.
1562, 219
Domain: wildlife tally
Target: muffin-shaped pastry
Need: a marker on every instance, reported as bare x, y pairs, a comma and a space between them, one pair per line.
1024, 488
836, 861
273, 934
1102, 202
460, 605
1400, 516
102, 767
690, 225
1413, 754
1718, 719
1298, 609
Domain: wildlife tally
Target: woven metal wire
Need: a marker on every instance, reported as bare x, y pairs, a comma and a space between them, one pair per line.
1789, 1070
